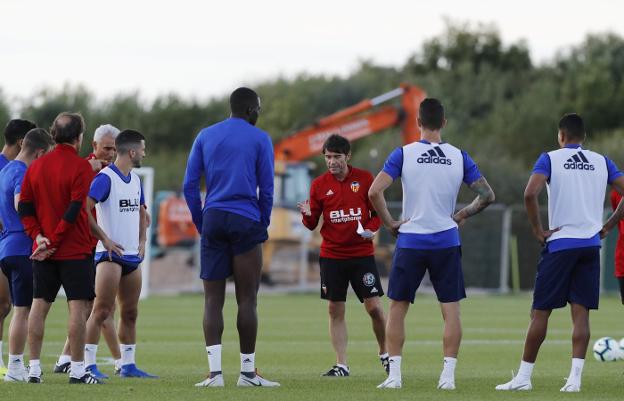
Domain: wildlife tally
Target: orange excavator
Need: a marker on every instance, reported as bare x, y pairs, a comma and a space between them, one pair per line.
292, 178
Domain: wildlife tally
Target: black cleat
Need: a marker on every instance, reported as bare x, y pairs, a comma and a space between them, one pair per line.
385, 362
336, 371
62, 368
88, 378
35, 379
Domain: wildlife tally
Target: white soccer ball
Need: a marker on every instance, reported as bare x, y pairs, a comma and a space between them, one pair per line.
606, 349
621, 349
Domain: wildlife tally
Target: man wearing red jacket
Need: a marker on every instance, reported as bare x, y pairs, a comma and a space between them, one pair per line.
347, 251
52, 210
616, 198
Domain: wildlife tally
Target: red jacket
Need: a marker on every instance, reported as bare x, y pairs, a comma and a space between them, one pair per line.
51, 184
342, 204
619, 249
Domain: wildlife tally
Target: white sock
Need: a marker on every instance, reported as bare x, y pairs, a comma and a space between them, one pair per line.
214, 357
63, 359
248, 363
35, 368
16, 363
1, 356
525, 371
90, 354
77, 369
448, 371
395, 368
127, 353
118, 363
576, 371
383, 356
345, 367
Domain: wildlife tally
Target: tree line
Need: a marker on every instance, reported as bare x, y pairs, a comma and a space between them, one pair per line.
502, 107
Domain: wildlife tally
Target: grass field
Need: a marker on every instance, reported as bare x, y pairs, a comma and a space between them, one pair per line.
294, 349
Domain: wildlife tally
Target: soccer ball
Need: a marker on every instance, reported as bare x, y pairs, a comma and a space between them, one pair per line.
606, 349
621, 350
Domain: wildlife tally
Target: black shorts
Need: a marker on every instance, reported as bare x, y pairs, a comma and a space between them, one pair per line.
76, 276
621, 281
336, 274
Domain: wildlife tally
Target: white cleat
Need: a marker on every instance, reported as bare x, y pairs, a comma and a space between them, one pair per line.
256, 381
216, 381
11, 377
571, 388
446, 384
515, 385
390, 382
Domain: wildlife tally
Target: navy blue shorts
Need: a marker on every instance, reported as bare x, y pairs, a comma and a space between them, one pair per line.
126, 267
224, 235
570, 275
18, 270
445, 271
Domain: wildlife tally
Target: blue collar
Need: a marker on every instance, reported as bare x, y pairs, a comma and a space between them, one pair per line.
124, 178
429, 143
573, 146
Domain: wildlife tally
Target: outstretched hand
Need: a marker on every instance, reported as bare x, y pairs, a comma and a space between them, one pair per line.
304, 207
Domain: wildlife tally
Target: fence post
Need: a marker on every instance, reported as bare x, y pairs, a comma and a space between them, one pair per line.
504, 251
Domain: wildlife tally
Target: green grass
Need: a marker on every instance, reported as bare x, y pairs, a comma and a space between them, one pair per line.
294, 348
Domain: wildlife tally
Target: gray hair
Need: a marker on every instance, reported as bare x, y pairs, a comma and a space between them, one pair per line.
104, 130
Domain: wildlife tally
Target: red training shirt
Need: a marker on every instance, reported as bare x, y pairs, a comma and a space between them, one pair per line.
619, 248
51, 183
342, 204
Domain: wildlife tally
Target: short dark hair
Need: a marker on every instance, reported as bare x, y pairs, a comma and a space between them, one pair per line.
37, 139
16, 129
242, 99
572, 126
127, 139
431, 113
67, 127
338, 144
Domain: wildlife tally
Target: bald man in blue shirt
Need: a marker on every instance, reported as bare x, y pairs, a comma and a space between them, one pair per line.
236, 160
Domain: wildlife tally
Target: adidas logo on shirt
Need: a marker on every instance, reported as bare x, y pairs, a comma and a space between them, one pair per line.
330, 192
578, 162
434, 156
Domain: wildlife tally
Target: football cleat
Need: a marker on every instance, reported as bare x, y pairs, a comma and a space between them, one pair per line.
95, 372
571, 387
446, 384
385, 362
131, 370
35, 379
256, 381
390, 382
16, 377
515, 385
62, 368
336, 371
216, 381
88, 378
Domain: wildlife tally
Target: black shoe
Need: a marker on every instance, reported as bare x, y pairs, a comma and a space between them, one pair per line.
385, 362
35, 379
88, 378
336, 371
62, 368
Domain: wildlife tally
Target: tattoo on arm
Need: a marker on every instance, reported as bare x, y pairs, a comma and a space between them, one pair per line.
485, 196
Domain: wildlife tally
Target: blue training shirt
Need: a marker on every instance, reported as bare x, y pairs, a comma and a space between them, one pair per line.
3, 161
13, 239
236, 159
543, 166
442, 239
101, 185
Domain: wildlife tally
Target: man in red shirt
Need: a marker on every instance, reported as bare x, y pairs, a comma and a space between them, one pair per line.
616, 198
52, 210
347, 252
